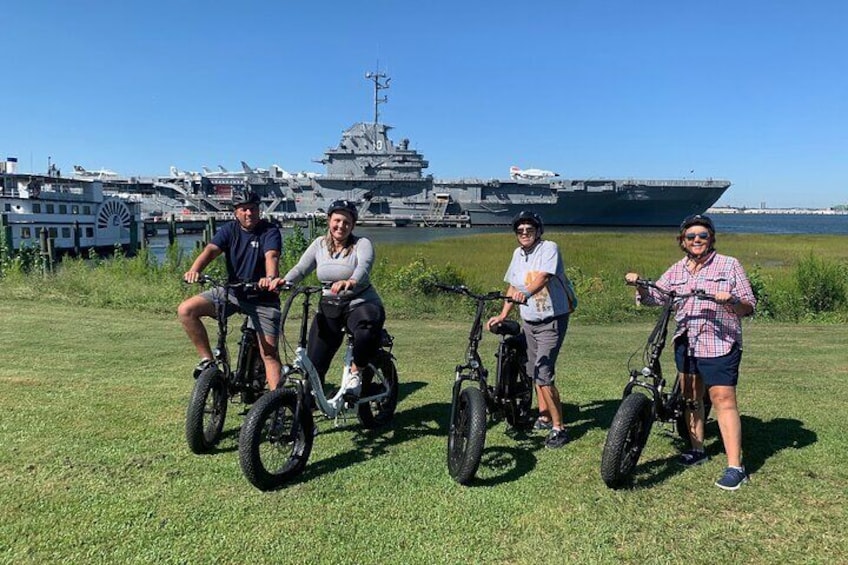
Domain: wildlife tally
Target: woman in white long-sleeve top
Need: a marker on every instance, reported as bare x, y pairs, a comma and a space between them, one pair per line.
343, 261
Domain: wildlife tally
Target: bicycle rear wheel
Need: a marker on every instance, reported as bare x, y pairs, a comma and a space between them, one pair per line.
207, 410
379, 412
467, 435
626, 438
276, 439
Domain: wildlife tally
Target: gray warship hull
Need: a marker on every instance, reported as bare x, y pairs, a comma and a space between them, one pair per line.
485, 203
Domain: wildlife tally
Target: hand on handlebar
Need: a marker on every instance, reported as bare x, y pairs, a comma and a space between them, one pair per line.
271, 284
631, 278
192, 277
341, 286
517, 296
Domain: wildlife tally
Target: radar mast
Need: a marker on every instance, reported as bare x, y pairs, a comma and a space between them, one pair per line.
379, 85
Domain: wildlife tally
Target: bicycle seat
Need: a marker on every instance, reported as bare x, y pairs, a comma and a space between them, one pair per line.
507, 327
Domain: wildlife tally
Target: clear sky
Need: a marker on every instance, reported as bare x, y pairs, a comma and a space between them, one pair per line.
752, 91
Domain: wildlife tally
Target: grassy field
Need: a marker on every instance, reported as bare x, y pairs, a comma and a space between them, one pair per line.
94, 466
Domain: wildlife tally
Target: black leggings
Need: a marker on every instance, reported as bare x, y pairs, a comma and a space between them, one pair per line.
364, 322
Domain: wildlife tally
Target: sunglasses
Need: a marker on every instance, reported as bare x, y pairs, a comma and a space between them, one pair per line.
700, 235
525, 231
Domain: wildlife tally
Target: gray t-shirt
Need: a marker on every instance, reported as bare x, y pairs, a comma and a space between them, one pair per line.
332, 267
550, 301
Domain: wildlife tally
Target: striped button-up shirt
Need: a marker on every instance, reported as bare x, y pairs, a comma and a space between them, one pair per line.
711, 328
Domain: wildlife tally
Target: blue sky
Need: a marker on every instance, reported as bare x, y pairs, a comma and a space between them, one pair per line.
755, 92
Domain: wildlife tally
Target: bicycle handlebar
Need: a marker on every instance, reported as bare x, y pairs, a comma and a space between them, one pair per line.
462, 289
648, 283
206, 279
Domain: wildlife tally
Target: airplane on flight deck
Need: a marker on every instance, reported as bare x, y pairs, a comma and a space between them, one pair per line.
80, 172
530, 174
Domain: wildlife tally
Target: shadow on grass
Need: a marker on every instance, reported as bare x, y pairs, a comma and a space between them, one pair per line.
760, 441
501, 464
236, 414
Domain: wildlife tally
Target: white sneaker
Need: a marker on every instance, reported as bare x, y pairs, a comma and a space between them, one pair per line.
354, 385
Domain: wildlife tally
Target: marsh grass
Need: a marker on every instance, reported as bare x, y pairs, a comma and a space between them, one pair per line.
94, 466
403, 274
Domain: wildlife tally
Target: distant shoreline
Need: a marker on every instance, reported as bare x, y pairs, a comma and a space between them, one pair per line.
810, 211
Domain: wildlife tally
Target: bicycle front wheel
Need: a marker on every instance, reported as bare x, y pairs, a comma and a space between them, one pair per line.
207, 410
275, 440
626, 438
467, 435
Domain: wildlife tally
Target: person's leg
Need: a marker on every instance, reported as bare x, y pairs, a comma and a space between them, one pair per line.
365, 322
729, 422
266, 319
720, 375
325, 337
546, 342
190, 312
692, 388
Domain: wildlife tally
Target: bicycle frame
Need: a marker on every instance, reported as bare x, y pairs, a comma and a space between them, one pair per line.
666, 407
301, 364
248, 354
473, 368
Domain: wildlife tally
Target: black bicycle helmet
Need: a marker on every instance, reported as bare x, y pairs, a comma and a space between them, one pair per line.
344, 206
528, 217
697, 220
244, 196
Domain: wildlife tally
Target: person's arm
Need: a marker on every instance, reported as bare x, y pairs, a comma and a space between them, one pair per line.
305, 265
742, 300
272, 270
209, 253
505, 310
540, 281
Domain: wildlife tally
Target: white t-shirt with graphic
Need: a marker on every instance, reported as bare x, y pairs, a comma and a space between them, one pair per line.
551, 301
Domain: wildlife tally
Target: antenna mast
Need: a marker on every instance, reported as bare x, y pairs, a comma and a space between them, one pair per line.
378, 86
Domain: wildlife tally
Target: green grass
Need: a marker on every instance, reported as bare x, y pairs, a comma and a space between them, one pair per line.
94, 466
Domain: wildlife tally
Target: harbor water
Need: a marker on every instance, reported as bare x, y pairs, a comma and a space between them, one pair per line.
785, 224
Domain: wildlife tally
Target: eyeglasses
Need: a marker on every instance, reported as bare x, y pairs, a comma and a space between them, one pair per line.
699, 235
525, 231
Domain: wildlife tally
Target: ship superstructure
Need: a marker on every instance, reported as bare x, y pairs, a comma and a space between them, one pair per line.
388, 183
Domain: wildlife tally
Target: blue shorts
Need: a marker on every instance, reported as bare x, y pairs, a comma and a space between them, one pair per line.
720, 371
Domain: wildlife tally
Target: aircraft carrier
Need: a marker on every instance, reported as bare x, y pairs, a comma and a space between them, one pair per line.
387, 182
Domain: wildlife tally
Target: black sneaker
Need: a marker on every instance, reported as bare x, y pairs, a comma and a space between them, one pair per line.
693, 458
557, 438
205, 362
543, 425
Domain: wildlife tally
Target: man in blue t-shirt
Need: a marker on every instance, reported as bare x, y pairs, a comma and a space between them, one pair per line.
251, 247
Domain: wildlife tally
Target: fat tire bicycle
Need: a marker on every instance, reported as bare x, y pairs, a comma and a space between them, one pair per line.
277, 436
511, 396
646, 399
218, 384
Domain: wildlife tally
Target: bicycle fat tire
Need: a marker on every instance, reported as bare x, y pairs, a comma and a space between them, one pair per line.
626, 438
273, 448
207, 410
467, 435
379, 413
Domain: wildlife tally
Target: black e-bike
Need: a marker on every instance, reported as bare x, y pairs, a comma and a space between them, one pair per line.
510, 397
646, 399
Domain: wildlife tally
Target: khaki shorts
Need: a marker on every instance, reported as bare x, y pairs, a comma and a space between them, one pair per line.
264, 317
544, 340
